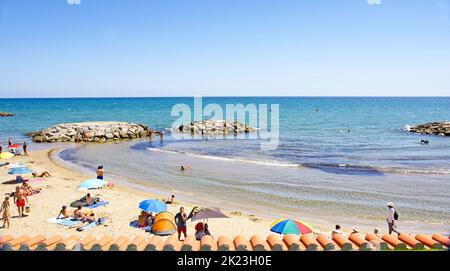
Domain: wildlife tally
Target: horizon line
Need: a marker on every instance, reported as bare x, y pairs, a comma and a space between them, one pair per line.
218, 96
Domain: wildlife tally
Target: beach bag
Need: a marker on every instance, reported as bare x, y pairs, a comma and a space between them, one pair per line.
395, 215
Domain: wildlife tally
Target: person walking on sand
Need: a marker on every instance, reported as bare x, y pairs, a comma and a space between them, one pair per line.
25, 148
180, 220
10, 141
1, 148
391, 217
6, 214
100, 172
20, 199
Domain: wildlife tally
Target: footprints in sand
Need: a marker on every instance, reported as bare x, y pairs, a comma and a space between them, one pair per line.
251, 217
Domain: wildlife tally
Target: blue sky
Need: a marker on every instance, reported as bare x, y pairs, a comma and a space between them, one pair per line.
49, 48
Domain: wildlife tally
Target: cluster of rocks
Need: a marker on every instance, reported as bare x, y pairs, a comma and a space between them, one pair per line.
6, 114
214, 127
432, 128
91, 132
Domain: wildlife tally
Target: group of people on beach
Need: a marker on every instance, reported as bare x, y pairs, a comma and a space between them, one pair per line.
15, 150
201, 229
391, 217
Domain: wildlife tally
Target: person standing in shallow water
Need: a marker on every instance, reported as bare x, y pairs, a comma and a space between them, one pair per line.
391, 217
100, 172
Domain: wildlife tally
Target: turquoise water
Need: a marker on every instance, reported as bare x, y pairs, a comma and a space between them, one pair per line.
347, 159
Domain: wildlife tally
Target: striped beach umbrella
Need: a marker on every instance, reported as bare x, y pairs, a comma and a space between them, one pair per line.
290, 226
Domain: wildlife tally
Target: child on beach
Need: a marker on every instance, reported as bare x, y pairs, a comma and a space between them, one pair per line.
5, 211
100, 172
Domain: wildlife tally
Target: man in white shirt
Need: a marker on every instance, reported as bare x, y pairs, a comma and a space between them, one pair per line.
390, 218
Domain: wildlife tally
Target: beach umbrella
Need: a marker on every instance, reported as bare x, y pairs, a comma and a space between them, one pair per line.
20, 170
6, 155
153, 205
92, 184
290, 226
14, 146
206, 213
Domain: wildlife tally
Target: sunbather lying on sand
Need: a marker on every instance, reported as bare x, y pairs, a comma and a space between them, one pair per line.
42, 175
170, 200
85, 221
29, 191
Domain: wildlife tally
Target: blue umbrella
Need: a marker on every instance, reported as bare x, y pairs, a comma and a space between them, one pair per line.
92, 184
153, 205
20, 170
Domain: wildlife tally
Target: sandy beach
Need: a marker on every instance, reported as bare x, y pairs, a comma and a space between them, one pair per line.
61, 189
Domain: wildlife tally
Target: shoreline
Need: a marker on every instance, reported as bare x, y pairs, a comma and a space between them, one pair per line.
60, 189
123, 207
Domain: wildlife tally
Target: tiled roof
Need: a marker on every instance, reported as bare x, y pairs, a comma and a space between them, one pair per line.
273, 242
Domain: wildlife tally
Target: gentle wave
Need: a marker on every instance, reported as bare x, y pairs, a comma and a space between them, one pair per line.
329, 167
267, 163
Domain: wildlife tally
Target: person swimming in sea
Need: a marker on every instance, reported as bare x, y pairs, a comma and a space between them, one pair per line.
183, 168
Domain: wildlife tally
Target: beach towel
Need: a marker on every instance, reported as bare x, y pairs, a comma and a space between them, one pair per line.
35, 180
67, 222
98, 204
82, 202
134, 224
90, 225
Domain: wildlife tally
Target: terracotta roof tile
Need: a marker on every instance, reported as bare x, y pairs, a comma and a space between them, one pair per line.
172, 243
208, 243
291, 242
310, 242
259, 244
410, 241
225, 243
442, 239
325, 242
428, 241
394, 242
241, 243
190, 244
342, 242
275, 243
359, 241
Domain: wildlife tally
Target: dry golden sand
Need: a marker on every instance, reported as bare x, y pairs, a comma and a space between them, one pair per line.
61, 189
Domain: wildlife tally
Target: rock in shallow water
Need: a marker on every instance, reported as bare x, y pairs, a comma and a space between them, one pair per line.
432, 128
91, 132
214, 127
6, 114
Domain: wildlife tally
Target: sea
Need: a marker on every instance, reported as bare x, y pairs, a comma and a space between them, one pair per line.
337, 159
